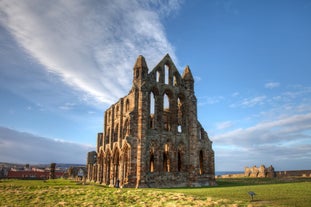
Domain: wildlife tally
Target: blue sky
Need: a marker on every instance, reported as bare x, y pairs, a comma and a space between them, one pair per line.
64, 62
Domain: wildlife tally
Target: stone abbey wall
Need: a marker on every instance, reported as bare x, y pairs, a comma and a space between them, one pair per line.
260, 172
151, 137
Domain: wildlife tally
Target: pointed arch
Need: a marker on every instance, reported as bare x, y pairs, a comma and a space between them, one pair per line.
125, 163
166, 102
158, 76
152, 106
180, 114
107, 167
116, 165
166, 112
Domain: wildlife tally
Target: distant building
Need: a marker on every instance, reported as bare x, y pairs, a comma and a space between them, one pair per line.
18, 172
26, 174
152, 137
77, 172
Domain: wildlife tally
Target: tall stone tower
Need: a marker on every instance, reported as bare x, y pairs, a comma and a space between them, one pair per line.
152, 137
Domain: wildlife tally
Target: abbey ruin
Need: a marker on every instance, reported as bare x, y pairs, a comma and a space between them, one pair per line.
152, 137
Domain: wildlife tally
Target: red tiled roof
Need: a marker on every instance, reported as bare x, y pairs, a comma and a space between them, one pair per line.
32, 174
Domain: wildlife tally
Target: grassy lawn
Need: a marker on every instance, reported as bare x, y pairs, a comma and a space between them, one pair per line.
229, 192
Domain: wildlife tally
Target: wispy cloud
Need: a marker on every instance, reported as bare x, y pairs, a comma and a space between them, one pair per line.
285, 138
273, 129
91, 46
209, 100
235, 94
271, 85
224, 125
21, 147
250, 102
253, 101
282, 129
67, 106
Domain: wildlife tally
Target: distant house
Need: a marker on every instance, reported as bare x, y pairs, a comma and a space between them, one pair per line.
26, 174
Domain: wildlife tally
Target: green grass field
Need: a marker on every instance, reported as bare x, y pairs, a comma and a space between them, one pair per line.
229, 192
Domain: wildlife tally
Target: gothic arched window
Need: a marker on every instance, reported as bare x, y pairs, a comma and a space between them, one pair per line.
166, 160
179, 161
152, 111
167, 74
151, 167
127, 105
166, 113
180, 115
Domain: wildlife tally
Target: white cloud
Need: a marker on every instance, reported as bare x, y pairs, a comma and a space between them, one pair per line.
235, 94
21, 147
209, 100
268, 143
67, 106
282, 129
271, 85
250, 102
92, 46
253, 101
224, 125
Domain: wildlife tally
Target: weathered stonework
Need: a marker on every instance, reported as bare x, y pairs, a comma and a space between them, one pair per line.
260, 172
152, 137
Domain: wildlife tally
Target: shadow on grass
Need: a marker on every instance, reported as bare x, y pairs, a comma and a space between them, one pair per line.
236, 182
231, 182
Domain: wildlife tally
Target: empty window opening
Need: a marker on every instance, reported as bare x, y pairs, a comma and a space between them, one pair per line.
179, 128
175, 81
127, 105
166, 161
201, 162
152, 103
180, 116
166, 113
152, 110
158, 74
166, 103
151, 161
167, 74
151, 123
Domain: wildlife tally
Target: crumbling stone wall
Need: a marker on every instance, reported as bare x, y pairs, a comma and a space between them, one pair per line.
260, 172
151, 137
